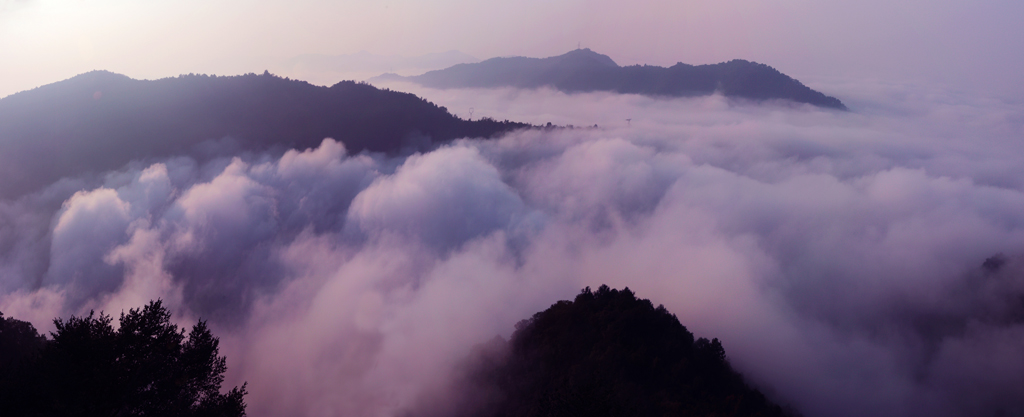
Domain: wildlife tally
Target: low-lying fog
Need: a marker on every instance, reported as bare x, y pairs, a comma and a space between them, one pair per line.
837, 255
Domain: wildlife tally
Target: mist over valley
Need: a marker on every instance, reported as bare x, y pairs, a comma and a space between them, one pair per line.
451, 245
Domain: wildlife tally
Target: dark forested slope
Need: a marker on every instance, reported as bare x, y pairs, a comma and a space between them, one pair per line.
584, 70
606, 353
145, 367
99, 121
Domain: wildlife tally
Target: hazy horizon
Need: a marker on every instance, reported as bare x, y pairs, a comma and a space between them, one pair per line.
945, 43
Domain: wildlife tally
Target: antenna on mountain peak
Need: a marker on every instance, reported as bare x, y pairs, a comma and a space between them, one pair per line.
471, 114
629, 122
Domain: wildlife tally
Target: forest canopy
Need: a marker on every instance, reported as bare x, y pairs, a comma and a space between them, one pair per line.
606, 353
148, 366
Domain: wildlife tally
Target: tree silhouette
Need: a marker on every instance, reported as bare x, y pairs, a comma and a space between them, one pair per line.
19, 340
147, 367
606, 353
20, 345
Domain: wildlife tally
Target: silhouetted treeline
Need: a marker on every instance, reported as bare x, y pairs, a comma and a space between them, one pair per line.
147, 367
606, 353
583, 70
100, 121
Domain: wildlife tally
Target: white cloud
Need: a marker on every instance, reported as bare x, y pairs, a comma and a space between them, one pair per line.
837, 255
444, 197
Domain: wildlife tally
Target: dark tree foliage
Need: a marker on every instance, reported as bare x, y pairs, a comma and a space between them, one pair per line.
100, 121
20, 345
19, 341
147, 367
584, 70
606, 353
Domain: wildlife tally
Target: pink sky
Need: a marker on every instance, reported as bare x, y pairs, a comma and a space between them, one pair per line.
964, 45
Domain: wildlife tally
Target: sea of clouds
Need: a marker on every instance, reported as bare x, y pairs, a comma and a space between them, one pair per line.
838, 255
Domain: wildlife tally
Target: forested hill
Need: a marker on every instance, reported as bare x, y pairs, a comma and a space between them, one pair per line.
99, 121
606, 353
583, 70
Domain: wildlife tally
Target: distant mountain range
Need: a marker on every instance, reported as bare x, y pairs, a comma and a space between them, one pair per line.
322, 69
365, 62
583, 70
100, 121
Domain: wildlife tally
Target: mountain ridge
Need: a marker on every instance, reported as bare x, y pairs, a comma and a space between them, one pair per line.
99, 121
583, 70
366, 61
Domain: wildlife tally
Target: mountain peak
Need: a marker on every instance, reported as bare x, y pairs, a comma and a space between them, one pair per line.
583, 70
100, 121
100, 74
585, 57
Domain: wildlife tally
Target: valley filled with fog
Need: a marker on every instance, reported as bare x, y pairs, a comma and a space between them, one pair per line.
862, 262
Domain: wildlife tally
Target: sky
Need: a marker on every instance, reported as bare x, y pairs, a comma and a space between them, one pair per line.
964, 45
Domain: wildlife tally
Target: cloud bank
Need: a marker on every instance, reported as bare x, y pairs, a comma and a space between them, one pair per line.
846, 260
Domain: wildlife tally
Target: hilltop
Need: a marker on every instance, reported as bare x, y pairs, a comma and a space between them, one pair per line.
605, 353
99, 121
583, 70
